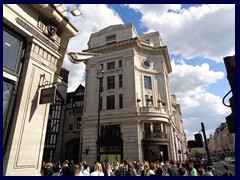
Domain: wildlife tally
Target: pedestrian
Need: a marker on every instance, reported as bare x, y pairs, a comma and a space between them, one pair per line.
85, 171
152, 169
124, 169
77, 169
132, 170
97, 170
209, 171
226, 171
64, 168
182, 171
47, 170
201, 172
193, 171
173, 169
109, 170
159, 171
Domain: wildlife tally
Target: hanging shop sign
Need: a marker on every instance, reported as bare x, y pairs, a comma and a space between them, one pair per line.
47, 95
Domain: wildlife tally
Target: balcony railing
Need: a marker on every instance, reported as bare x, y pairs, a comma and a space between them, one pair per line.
152, 135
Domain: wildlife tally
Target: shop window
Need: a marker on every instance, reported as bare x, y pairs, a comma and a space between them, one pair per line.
12, 48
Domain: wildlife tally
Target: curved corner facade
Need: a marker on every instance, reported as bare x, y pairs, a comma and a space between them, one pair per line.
139, 118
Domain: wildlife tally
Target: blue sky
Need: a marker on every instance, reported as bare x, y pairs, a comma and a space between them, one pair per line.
197, 36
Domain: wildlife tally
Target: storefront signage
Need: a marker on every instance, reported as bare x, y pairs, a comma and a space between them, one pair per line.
36, 33
47, 95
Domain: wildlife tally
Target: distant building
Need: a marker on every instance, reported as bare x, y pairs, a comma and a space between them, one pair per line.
56, 119
139, 119
64, 124
35, 39
72, 125
222, 143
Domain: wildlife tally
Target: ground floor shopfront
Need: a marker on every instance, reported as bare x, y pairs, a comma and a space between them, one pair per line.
131, 141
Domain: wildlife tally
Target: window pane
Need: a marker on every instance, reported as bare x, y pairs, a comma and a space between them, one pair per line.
7, 91
110, 102
11, 49
111, 82
110, 65
120, 80
111, 38
70, 127
147, 82
120, 101
120, 63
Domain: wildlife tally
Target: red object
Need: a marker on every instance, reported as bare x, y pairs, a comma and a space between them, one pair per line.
233, 61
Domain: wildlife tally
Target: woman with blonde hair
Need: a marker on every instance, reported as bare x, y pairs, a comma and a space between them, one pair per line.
109, 169
77, 170
132, 171
97, 170
145, 169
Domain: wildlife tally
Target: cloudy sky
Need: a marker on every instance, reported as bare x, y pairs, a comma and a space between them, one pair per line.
197, 36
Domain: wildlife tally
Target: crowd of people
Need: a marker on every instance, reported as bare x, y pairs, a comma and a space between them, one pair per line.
133, 168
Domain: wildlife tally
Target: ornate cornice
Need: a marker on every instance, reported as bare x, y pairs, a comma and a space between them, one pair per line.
135, 43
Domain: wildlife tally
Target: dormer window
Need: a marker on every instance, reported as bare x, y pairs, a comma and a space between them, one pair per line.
110, 39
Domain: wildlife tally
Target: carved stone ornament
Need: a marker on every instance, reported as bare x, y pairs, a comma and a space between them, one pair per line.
52, 30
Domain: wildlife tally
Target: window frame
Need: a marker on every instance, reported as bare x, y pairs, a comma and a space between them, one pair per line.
22, 41
147, 82
111, 65
111, 82
110, 102
110, 39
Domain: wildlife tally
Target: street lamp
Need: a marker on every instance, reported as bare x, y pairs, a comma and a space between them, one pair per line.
100, 75
62, 9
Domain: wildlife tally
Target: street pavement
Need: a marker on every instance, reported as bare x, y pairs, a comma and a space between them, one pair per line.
219, 167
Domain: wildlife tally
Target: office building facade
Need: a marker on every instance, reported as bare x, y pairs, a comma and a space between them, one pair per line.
139, 118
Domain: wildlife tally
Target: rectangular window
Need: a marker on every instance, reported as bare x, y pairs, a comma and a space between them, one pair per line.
111, 65
120, 101
70, 127
147, 130
120, 80
7, 93
110, 102
12, 48
110, 39
147, 82
111, 82
120, 63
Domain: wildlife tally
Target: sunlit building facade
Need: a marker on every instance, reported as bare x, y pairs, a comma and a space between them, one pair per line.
35, 39
139, 119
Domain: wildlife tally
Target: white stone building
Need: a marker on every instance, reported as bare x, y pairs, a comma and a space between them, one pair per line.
35, 39
222, 143
139, 119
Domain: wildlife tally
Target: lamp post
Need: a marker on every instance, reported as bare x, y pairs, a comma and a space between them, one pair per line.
100, 75
206, 145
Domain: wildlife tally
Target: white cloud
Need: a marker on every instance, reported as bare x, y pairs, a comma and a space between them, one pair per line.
189, 83
195, 78
94, 18
207, 31
204, 31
